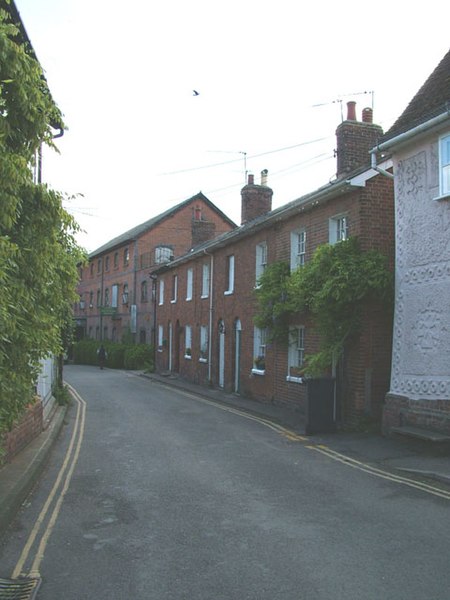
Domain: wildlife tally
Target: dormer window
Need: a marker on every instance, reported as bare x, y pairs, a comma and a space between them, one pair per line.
163, 254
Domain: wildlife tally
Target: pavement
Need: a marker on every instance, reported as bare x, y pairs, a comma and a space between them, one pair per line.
403, 455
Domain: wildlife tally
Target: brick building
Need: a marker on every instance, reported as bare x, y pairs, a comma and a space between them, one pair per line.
205, 302
116, 286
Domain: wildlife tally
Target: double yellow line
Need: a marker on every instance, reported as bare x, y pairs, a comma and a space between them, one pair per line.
46, 519
324, 450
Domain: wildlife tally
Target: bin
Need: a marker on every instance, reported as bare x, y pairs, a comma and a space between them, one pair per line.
320, 405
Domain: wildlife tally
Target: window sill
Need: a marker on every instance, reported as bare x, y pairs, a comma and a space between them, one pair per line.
228, 293
189, 299
258, 372
443, 197
295, 379
173, 302
203, 360
203, 297
160, 349
188, 357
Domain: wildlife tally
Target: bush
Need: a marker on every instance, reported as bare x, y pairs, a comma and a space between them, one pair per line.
120, 356
139, 357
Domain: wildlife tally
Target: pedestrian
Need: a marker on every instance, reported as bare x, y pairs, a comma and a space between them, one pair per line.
102, 356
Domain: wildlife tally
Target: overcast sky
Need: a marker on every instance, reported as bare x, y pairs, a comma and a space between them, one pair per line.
273, 80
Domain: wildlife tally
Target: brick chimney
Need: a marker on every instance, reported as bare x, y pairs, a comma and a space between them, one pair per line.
355, 139
256, 200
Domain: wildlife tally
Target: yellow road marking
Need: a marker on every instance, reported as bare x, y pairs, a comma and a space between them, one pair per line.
78, 431
328, 452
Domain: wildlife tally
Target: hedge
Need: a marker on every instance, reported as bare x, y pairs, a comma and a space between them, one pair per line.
120, 356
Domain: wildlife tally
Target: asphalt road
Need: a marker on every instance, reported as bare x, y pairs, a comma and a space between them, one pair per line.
159, 495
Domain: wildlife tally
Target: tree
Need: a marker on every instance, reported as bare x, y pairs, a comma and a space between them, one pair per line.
38, 251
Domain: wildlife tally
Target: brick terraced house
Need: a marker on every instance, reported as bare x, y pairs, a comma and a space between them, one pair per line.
205, 302
116, 287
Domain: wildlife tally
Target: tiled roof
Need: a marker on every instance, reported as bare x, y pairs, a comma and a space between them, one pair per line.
431, 100
135, 232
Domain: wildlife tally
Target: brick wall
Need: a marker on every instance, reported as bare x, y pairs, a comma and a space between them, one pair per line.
29, 427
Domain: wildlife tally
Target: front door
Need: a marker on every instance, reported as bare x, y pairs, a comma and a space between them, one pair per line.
237, 355
221, 354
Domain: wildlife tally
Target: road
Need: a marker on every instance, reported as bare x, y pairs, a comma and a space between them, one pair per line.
156, 494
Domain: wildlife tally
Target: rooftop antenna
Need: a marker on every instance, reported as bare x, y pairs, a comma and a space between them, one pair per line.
235, 152
340, 100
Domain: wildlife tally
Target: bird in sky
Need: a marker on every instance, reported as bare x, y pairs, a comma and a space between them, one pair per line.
195, 93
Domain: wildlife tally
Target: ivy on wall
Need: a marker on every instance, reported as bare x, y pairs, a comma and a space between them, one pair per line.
38, 251
331, 289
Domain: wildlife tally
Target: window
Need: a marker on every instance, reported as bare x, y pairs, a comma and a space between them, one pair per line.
92, 269
144, 291
99, 265
125, 294
259, 349
106, 296
107, 263
91, 299
174, 289
114, 296
298, 248
444, 164
161, 292
163, 254
205, 280
230, 274
105, 332
261, 260
116, 260
160, 337
99, 298
188, 342
296, 352
126, 257
338, 228
189, 283
203, 343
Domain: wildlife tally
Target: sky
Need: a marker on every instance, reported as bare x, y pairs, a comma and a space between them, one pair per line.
273, 80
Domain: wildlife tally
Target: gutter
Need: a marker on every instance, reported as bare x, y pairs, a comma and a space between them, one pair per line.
403, 138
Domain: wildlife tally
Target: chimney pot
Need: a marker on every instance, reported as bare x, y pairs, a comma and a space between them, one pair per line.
367, 115
264, 177
351, 111
251, 179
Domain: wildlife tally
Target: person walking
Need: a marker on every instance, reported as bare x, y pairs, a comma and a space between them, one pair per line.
102, 355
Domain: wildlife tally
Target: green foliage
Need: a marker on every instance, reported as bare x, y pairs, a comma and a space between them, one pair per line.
271, 295
120, 356
331, 288
139, 357
38, 252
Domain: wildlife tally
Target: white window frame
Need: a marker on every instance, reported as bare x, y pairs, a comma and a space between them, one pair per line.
161, 292
296, 351
189, 283
205, 280
298, 248
261, 260
338, 228
188, 342
160, 337
114, 295
163, 254
204, 335
174, 289
230, 275
444, 165
259, 350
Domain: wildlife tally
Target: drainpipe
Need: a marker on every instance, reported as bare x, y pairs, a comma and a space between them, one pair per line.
373, 158
211, 280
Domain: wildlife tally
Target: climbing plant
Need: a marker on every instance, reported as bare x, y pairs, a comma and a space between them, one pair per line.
38, 251
331, 289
